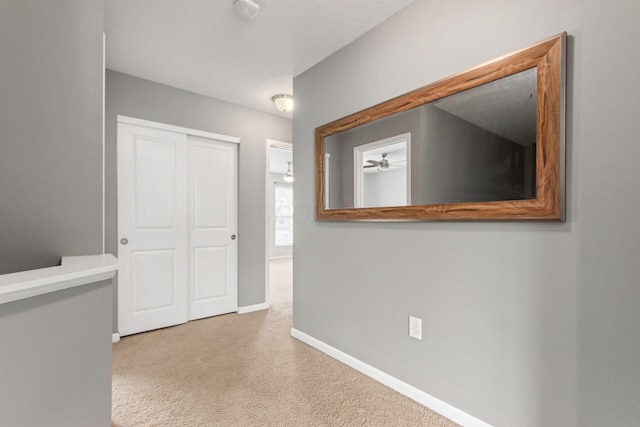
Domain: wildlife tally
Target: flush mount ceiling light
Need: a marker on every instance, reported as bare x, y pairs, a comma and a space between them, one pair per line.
288, 175
248, 9
283, 101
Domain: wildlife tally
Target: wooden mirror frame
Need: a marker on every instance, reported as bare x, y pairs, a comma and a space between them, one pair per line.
549, 58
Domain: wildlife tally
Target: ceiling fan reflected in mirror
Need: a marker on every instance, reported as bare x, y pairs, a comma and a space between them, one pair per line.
383, 164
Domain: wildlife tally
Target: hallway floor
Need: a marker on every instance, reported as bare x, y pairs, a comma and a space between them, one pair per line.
246, 370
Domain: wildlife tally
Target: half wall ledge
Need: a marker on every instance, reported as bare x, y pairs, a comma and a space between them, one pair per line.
74, 271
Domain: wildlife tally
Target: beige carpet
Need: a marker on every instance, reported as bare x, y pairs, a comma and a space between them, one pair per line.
246, 370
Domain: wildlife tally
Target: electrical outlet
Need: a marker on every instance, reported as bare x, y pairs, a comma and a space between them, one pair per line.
415, 327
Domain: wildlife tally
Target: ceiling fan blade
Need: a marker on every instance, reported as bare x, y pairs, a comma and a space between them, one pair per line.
370, 166
373, 162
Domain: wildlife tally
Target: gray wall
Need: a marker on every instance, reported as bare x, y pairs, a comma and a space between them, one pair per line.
142, 99
50, 144
55, 351
456, 161
56, 359
524, 324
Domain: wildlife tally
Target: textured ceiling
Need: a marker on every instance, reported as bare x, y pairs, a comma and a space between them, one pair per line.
505, 107
204, 47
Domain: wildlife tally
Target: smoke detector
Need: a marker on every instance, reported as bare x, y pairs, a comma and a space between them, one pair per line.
248, 9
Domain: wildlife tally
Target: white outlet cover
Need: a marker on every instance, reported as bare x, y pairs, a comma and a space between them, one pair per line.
415, 327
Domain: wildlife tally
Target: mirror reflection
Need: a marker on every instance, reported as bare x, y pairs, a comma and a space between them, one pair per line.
381, 176
478, 145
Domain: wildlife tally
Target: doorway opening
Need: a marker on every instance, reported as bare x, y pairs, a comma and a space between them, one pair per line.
382, 172
279, 215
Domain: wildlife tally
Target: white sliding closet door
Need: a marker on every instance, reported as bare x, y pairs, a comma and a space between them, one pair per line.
213, 246
177, 222
152, 224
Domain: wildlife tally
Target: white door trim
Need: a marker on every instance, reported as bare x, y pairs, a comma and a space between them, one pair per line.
327, 179
104, 159
178, 129
268, 202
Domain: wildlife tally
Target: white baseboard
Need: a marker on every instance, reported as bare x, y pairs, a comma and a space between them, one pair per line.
275, 258
251, 308
425, 399
115, 337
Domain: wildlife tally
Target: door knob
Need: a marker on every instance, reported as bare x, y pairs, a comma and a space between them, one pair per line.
124, 241
233, 237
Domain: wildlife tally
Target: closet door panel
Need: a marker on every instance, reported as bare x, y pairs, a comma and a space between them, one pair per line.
152, 228
212, 227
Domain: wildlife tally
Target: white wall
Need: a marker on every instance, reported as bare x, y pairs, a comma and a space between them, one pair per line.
388, 188
524, 324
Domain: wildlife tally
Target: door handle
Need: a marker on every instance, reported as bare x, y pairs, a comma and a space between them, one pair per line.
233, 237
124, 241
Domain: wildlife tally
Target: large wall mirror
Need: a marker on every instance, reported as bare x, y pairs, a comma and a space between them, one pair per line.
486, 144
